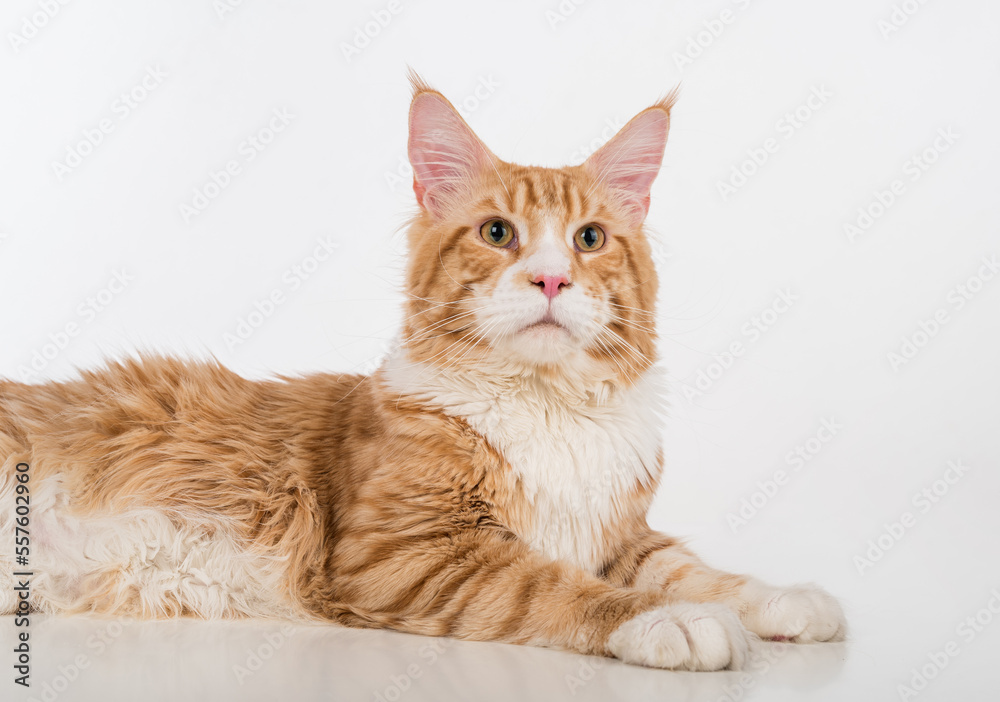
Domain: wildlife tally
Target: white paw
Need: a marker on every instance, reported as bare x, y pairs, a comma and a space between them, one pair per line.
683, 636
801, 614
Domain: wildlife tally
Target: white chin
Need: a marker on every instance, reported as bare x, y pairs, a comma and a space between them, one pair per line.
542, 344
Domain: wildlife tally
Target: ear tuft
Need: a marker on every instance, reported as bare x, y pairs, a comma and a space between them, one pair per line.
668, 101
417, 84
629, 163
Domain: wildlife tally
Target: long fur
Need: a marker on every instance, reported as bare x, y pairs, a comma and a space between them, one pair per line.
490, 481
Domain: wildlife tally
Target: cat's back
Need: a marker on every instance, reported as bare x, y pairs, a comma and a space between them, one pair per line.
139, 406
162, 487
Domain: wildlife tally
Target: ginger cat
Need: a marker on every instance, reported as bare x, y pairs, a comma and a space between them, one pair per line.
490, 481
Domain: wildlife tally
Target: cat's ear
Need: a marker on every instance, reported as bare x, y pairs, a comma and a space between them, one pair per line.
628, 164
445, 153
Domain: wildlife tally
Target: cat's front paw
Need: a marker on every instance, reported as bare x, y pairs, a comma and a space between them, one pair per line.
683, 637
800, 614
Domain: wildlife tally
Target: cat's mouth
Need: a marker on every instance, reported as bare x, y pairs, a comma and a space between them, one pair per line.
547, 323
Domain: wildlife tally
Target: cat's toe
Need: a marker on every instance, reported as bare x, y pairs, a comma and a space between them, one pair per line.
800, 614
683, 637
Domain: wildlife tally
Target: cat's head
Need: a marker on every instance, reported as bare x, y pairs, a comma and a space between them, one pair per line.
544, 268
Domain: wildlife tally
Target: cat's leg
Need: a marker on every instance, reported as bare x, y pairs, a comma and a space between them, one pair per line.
800, 614
494, 589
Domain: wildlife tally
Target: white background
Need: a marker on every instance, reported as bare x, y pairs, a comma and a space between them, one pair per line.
551, 79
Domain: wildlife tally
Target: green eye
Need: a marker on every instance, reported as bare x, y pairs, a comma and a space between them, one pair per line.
589, 238
497, 232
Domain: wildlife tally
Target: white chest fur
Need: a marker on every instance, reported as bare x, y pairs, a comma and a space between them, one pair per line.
576, 455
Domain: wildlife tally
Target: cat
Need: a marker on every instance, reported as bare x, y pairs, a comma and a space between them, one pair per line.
490, 480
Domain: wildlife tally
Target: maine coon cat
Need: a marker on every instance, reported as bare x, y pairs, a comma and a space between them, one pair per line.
489, 481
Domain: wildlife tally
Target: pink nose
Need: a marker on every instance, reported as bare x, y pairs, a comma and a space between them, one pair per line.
551, 284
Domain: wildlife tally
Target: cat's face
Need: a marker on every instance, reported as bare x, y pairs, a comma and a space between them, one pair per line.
546, 268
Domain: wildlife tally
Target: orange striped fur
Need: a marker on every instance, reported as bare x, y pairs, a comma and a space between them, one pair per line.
490, 481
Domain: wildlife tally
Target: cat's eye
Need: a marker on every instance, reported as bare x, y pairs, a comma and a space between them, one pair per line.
497, 232
589, 238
